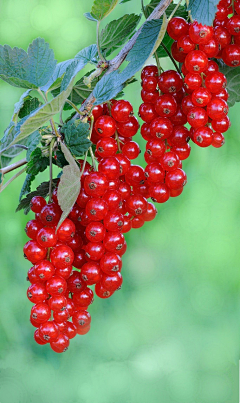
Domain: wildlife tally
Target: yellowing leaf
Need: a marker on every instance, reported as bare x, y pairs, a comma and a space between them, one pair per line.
102, 8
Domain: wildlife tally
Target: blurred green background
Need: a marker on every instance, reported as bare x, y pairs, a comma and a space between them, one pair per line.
172, 333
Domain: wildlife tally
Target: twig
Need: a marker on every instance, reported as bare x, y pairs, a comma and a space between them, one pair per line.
11, 167
115, 63
50, 169
12, 179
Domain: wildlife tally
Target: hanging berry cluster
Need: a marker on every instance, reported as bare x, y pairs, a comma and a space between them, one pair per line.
91, 239
87, 249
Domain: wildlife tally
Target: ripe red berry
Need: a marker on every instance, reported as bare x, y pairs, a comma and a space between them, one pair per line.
166, 105
102, 292
200, 34
135, 175
66, 231
37, 203
217, 108
154, 173
81, 319
221, 125
37, 338
44, 270
218, 140
57, 303
47, 237
170, 161
107, 147
177, 27
70, 330
75, 282
84, 298
185, 44
231, 55
203, 136
40, 312
161, 128
94, 251
215, 82
48, 331
196, 61
32, 228
34, 252
110, 167
159, 192
170, 81
110, 263
37, 293
176, 179
192, 81
114, 242
60, 344
149, 71
113, 282
149, 83
147, 112
96, 209
201, 97
150, 213
129, 128
197, 117
50, 215
121, 111
62, 256
105, 126
90, 273
96, 184
131, 150
56, 285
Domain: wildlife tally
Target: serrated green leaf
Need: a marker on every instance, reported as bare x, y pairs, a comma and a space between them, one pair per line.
233, 82
69, 185
27, 70
203, 10
76, 137
57, 77
102, 8
32, 142
42, 190
30, 105
117, 32
90, 17
26, 187
108, 87
37, 163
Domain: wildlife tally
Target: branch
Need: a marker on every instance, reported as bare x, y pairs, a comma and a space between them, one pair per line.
115, 63
16, 165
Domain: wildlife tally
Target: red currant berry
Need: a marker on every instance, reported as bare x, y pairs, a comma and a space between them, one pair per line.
231, 55
147, 112
37, 293
197, 117
61, 344
203, 136
102, 292
196, 61
161, 128
81, 319
149, 83
113, 282
94, 251
211, 48
79, 259
37, 203
90, 273
75, 282
217, 108
192, 81
121, 111
176, 179
200, 34
222, 36
166, 105
170, 161
56, 285
110, 263
129, 128
201, 97
32, 228
84, 298
218, 140
150, 213
31, 276
96, 184
149, 97
57, 303
96, 209
215, 82
40, 312
110, 167
62, 256
185, 44
64, 272
135, 175
131, 150
154, 173
159, 192
149, 71
107, 147
221, 125
177, 27
37, 338
44, 270
179, 136
34, 252
170, 81
47, 237
114, 242
71, 330
182, 151
105, 126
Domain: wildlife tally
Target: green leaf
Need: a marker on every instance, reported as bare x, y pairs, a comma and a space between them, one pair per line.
124, 1
26, 187
42, 190
203, 10
57, 77
30, 105
37, 163
181, 11
117, 32
69, 185
111, 84
233, 82
27, 70
76, 137
32, 142
90, 17
102, 8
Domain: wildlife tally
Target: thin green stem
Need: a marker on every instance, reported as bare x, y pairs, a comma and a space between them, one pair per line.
93, 159
84, 163
101, 57
155, 53
169, 54
75, 107
42, 94
50, 169
174, 11
12, 179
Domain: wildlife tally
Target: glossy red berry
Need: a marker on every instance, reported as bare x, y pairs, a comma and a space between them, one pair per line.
96, 209
147, 112
149, 83
62, 256
107, 147
185, 44
150, 213
129, 128
110, 263
32, 228
121, 111
114, 242
94, 251
61, 344
231, 55
159, 192
201, 97
47, 237
215, 82
84, 298
37, 203
37, 338
135, 175
217, 108
149, 71
203, 136
90, 273
37, 293
170, 81
113, 282
200, 34
110, 167
177, 27
75, 282
48, 331
105, 126
56, 285
161, 128
170, 161
70, 330
44, 270
34, 252
96, 184
197, 117
57, 303
131, 150
81, 319
40, 312
218, 140
192, 81
166, 105
221, 125
154, 173
50, 215
95, 232
196, 61
176, 179
102, 292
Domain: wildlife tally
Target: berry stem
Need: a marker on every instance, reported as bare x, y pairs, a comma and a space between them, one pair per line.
174, 62
101, 57
50, 169
75, 107
11, 167
155, 53
93, 159
174, 11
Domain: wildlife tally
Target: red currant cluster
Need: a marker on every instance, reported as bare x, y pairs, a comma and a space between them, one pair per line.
221, 41
91, 239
